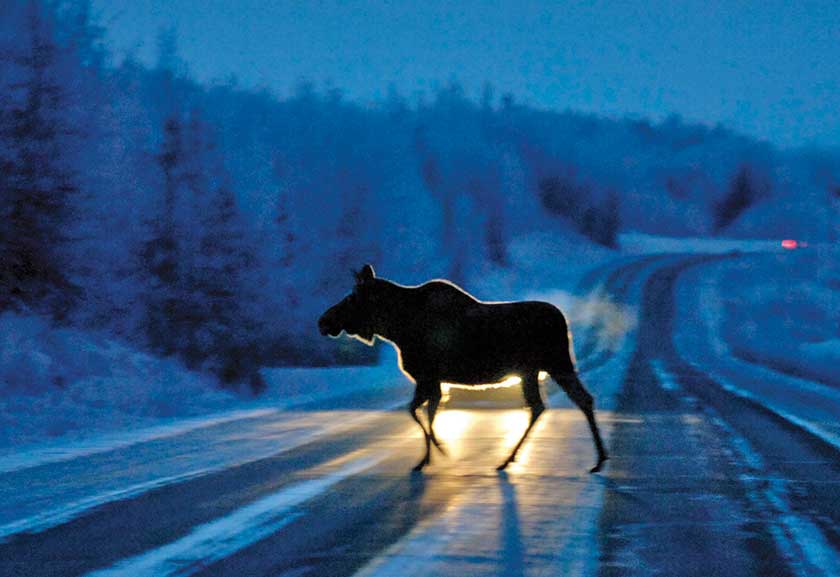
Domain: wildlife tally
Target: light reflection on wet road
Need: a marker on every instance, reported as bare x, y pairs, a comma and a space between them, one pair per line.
469, 514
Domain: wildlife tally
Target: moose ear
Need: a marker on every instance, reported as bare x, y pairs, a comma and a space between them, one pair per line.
365, 275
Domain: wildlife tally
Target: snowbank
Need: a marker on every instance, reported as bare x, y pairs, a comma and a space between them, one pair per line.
783, 310
65, 391
66, 382
538, 262
640, 243
292, 387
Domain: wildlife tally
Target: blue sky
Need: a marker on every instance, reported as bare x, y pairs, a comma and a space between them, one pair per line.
770, 69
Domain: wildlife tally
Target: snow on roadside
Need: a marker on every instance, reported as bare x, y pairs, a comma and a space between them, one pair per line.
68, 383
292, 387
112, 397
540, 261
66, 393
640, 243
784, 310
64, 449
825, 353
699, 339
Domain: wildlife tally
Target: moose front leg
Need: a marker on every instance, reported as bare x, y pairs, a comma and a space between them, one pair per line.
420, 397
426, 391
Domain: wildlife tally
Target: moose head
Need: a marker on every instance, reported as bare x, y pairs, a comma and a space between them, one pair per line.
354, 314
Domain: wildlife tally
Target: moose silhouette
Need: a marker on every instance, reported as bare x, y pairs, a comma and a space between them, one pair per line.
444, 334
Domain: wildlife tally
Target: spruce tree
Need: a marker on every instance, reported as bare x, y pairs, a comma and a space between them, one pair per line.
38, 183
161, 254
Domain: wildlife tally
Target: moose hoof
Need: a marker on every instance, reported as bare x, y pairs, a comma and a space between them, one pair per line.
598, 467
503, 466
419, 466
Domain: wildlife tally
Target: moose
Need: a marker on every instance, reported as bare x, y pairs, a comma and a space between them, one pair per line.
444, 334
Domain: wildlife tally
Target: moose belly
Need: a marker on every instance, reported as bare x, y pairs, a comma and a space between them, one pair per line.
486, 343
475, 361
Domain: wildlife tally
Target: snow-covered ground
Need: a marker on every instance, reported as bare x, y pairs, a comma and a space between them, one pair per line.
742, 323
66, 383
641, 243
66, 392
746, 324
784, 310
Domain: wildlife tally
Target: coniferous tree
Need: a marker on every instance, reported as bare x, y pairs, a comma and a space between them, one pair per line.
38, 183
223, 282
742, 193
611, 222
495, 237
430, 173
285, 232
200, 261
288, 247
161, 254
349, 228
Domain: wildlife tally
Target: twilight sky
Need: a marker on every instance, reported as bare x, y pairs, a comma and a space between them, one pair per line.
768, 68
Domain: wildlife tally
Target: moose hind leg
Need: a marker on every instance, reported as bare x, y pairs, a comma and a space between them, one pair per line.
531, 389
583, 399
420, 397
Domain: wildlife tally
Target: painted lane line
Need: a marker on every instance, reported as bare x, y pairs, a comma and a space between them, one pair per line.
53, 517
226, 535
800, 541
36, 456
665, 379
716, 353
70, 510
825, 436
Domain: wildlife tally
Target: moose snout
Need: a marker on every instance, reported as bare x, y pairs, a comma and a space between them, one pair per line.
327, 325
323, 327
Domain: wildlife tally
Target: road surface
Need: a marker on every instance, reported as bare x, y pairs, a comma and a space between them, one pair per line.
719, 468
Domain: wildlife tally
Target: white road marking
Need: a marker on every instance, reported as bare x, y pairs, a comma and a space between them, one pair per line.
43, 455
69, 510
815, 430
711, 348
59, 515
663, 377
798, 538
224, 536
800, 541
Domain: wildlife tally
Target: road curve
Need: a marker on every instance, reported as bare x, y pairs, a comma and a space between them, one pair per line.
702, 481
712, 482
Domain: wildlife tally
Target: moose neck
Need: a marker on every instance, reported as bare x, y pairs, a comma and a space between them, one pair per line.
395, 310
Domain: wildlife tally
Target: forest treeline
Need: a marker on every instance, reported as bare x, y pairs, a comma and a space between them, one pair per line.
213, 222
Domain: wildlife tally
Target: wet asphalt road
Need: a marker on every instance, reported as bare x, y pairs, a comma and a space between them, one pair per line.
701, 481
